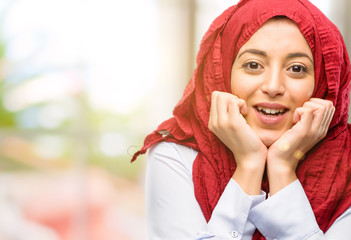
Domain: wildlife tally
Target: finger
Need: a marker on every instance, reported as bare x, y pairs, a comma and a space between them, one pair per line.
222, 101
243, 107
323, 116
299, 111
330, 116
321, 101
330, 113
325, 127
330, 110
305, 116
237, 107
319, 115
234, 111
222, 107
324, 106
296, 116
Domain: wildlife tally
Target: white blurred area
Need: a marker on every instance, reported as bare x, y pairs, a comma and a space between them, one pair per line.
115, 64
82, 83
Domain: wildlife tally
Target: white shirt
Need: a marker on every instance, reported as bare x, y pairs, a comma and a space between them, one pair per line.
173, 212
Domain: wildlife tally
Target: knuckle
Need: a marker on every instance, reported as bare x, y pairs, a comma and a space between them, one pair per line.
232, 103
214, 94
330, 106
323, 108
309, 111
305, 104
329, 103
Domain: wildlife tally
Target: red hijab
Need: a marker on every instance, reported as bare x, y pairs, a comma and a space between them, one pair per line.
325, 173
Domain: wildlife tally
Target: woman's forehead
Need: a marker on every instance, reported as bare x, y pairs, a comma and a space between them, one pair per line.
281, 34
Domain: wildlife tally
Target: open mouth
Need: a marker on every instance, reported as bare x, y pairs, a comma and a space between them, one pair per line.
271, 112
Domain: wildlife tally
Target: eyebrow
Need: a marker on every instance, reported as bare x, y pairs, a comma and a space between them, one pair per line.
264, 54
253, 51
299, 54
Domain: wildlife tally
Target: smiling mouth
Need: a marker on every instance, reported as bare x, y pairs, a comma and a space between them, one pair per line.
271, 112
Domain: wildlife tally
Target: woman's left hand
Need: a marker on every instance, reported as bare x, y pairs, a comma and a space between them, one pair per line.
312, 121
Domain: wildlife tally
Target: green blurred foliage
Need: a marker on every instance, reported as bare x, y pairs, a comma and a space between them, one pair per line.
7, 118
81, 131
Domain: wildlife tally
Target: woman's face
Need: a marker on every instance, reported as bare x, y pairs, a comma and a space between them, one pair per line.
274, 73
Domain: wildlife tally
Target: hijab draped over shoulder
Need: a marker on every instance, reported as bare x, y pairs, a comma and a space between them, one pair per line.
325, 172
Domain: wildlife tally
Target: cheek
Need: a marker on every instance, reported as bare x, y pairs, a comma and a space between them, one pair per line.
234, 88
309, 86
311, 90
244, 85
234, 82
238, 85
240, 89
302, 91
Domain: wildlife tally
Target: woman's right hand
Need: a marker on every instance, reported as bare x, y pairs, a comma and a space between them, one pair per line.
229, 125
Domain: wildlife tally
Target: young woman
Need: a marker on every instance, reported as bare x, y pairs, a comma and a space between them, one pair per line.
259, 146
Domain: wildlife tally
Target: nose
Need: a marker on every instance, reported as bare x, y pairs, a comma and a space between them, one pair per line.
273, 84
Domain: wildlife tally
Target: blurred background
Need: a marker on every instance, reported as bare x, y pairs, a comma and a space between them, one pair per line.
81, 84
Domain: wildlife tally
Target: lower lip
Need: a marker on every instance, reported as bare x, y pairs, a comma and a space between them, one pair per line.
270, 120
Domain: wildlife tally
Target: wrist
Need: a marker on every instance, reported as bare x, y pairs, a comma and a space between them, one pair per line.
280, 176
249, 178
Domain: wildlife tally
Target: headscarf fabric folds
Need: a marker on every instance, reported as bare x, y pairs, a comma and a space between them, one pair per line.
325, 172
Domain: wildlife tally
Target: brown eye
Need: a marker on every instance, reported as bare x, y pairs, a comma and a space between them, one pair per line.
298, 69
252, 66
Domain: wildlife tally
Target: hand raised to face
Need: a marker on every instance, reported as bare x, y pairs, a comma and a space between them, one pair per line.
229, 125
312, 121
227, 122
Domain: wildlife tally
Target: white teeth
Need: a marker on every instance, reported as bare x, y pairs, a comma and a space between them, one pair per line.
270, 110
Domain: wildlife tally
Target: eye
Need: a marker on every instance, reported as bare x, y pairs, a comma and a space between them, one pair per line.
297, 69
252, 66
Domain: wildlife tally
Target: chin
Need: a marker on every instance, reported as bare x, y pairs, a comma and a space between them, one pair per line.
269, 139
